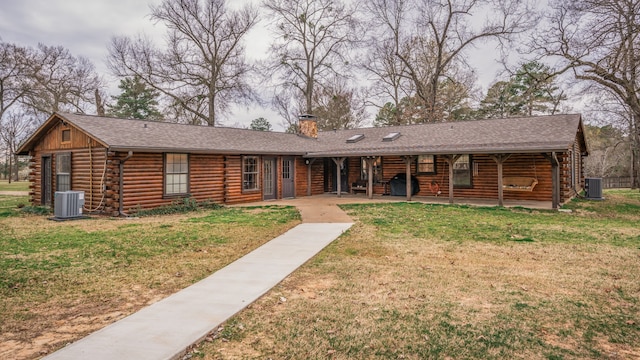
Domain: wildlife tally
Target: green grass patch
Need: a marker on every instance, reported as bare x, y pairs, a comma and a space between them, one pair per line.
56, 271
419, 281
253, 216
14, 185
11, 205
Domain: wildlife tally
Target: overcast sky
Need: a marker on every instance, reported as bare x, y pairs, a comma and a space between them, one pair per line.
85, 27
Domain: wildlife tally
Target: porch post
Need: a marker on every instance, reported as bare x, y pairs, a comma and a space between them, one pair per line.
407, 162
339, 162
370, 162
500, 159
309, 162
451, 159
555, 179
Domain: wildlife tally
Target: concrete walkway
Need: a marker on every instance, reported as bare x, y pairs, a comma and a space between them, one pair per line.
167, 328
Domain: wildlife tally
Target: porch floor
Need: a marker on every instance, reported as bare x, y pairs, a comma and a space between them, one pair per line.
328, 199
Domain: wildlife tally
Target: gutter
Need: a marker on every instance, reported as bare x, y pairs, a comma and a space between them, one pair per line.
121, 190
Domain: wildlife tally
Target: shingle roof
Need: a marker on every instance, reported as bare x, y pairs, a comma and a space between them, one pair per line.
126, 134
528, 134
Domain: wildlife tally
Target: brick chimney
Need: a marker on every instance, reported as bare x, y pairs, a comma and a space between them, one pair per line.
308, 125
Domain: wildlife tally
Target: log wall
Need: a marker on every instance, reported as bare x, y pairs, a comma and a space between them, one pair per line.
88, 156
484, 179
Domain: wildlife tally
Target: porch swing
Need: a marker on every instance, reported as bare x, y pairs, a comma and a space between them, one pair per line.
521, 183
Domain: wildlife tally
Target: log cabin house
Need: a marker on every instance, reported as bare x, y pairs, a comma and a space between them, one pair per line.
123, 165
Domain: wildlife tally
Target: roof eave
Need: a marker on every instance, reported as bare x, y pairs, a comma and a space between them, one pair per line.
415, 153
48, 124
126, 148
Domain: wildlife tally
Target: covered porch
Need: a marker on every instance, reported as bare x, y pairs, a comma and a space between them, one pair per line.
492, 185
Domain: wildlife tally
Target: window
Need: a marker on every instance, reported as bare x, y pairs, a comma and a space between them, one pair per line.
426, 164
391, 136
176, 174
377, 170
355, 138
63, 172
250, 173
462, 171
286, 169
66, 135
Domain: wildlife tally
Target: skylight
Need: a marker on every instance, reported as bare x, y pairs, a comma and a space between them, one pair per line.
355, 138
391, 136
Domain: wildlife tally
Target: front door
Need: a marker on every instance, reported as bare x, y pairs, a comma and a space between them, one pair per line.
270, 179
288, 187
45, 183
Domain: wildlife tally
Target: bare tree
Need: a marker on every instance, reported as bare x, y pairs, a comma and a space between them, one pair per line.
14, 127
338, 106
312, 40
289, 107
599, 41
442, 31
60, 81
203, 70
384, 67
13, 74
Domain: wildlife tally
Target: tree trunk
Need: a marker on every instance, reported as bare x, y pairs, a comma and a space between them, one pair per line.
17, 167
10, 167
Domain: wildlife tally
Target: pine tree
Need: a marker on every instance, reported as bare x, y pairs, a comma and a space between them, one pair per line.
260, 124
137, 101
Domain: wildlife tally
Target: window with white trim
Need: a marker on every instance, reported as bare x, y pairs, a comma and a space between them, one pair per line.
176, 174
63, 172
250, 173
462, 172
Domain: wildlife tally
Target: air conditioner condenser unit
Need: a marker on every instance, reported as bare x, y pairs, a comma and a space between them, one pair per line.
68, 204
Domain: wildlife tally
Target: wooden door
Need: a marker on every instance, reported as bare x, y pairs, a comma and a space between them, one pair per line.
270, 178
45, 182
288, 184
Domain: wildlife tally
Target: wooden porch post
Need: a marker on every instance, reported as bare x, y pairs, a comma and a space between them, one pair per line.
500, 159
309, 162
451, 159
370, 162
407, 162
555, 179
339, 162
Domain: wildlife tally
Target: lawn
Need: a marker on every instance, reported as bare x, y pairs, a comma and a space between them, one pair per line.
14, 186
417, 281
408, 281
63, 280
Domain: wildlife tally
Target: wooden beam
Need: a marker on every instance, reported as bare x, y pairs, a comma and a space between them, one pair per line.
555, 179
451, 159
370, 162
339, 162
309, 162
500, 159
407, 162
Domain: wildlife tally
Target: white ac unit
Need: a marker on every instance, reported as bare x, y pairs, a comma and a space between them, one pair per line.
68, 204
593, 188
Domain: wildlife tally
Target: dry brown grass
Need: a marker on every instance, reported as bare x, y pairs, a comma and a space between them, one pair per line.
55, 307
380, 292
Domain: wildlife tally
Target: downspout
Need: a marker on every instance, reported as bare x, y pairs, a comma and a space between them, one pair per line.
121, 189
